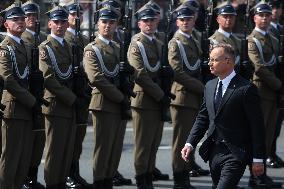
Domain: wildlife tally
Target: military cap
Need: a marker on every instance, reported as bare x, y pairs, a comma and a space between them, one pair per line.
275, 3
193, 4
13, 11
146, 12
184, 12
114, 3
58, 13
109, 13
226, 8
30, 7
154, 6
72, 7
262, 7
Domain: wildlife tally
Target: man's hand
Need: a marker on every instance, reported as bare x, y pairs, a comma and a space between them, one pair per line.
257, 169
185, 152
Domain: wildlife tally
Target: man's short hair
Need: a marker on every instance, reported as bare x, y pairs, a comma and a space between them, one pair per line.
228, 49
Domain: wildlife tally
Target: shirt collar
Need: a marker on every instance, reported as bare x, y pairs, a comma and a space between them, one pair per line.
185, 34
59, 39
226, 81
30, 31
15, 38
273, 24
106, 41
226, 34
260, 31
148, 36
71, 30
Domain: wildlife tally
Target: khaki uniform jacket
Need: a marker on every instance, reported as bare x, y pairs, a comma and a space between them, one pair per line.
2, 37
234, 41
57, 91
264, 77
147, 89
29, 39
105, 94
16, 97
81, 42
187, 87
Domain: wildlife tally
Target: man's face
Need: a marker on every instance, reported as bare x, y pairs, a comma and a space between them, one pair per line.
16, 26
58, 27
107, 28
30, 20
148, 26
218, 62
276, 13
185, 24
226, 21
262, 20
71, 19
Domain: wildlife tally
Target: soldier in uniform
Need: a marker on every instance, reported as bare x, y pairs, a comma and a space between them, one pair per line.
74, 180
184, 53
262, 51
19, 102
60, 129
101, 60
226, 19
118, 179
38, 137
276, 29
144, 54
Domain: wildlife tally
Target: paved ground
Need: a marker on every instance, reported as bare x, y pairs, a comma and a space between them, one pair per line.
163, 161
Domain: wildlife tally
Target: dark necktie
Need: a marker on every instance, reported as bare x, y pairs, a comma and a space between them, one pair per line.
218, 97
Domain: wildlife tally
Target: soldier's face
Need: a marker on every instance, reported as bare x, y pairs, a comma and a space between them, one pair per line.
226, 21
58, 27
219, 63
276, 13
30, 20
16, 26
262, 20
148, 26
107, 28
185, 24
72, 17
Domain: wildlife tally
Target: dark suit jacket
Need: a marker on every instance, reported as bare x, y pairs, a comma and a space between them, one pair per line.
238, 120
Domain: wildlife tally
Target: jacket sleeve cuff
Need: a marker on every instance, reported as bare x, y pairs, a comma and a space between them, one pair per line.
255, 160
189, 145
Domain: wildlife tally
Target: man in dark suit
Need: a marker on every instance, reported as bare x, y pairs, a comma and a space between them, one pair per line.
232, 115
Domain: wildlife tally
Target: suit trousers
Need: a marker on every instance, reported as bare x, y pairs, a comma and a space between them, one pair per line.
16, 152
108, 129
270, 114
148, 129
38, 143
182, 120
226, 170
79, 138
60, 136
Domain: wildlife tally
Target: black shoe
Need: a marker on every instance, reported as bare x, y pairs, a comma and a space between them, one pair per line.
32, 184
76, 177
272, 163
158, 175
71, 183
181, 180
279, 160
263, 182
119, 180
198, 171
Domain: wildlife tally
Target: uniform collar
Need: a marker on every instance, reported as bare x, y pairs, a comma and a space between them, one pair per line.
226, 34
15, 38
30, 31
106, 41
59, 39
148, 36
273, 24
260, 31
71, 30
185, 34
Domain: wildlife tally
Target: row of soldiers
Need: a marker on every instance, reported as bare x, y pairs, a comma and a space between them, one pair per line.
63, 106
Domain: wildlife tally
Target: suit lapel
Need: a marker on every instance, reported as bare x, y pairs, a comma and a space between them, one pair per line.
211, 94
231, 88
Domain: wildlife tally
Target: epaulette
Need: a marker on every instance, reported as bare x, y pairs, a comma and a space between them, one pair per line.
45, 42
